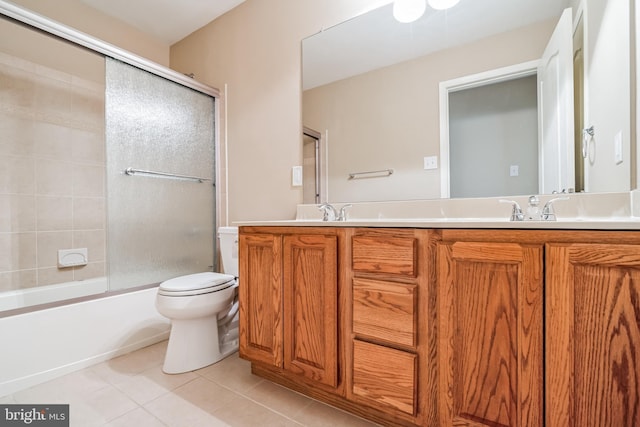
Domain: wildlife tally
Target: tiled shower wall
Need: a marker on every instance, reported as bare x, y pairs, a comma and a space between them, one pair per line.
52, 171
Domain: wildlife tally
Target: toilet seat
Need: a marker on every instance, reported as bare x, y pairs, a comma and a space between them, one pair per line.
196, 284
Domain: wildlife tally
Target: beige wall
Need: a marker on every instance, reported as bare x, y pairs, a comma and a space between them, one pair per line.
389, 118
608, 84
255, 52
86, 19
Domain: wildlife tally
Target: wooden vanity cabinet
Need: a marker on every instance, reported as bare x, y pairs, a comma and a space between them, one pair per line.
490, 333
416, 327
593, 335
392, 325
497, 368
288, 294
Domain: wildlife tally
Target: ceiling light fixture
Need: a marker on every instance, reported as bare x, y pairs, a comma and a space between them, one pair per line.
442, 4
409, 10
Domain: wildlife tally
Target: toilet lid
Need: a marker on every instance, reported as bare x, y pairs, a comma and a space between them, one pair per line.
193, 282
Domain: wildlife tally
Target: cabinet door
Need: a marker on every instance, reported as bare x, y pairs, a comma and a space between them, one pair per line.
593, 335
310, 307
260, 292
490, 334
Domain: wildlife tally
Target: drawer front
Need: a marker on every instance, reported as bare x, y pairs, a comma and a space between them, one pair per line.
382, 254
384, 376
385, 311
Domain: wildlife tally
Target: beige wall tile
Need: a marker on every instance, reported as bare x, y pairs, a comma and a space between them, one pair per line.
21, 279
17, 213
53, 178
54, 213
87, 146
88, 181
48, 245
89, 213
54, 275
89, 271
16, 135
17, 175
17, 251
94, 241
52, 141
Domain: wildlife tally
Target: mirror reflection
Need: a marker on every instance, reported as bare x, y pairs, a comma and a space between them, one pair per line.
466, 103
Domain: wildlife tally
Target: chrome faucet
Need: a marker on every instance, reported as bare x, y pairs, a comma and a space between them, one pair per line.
533, 211
329, 213
516, 210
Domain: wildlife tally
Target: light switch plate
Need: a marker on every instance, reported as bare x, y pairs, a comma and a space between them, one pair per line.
296, 176
514, 170
617, 148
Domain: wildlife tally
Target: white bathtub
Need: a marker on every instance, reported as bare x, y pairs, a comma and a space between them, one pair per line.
44, 344
10, 300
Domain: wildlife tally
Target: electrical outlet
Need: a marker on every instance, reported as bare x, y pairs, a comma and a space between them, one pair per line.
431, 162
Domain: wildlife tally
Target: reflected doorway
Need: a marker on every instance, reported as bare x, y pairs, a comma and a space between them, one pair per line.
311, 166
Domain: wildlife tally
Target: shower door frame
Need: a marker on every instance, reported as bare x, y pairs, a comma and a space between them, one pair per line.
62, 32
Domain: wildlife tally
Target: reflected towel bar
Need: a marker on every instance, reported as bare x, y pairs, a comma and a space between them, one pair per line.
132, 171
356, 175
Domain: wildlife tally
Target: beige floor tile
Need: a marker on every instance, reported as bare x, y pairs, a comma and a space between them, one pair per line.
122, 368
64, 389
279, 399
232, 372
100, 407
7, 400
320, 415
138, 418
153, 383
242, 412
132, 390
192, 404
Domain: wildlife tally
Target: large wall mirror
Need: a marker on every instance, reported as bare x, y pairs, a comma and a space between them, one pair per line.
374, 89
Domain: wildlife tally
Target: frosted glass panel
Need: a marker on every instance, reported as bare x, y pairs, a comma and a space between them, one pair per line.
159, 228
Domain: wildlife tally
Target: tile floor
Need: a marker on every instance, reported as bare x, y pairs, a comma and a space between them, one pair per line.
132, 390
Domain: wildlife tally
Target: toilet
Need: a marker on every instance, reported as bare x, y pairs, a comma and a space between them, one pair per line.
203, 310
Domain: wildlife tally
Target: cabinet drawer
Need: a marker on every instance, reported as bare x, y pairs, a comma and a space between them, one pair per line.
382, 254
384, 376
386, 311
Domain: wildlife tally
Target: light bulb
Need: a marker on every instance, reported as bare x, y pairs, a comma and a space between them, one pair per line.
442, 4
408, 10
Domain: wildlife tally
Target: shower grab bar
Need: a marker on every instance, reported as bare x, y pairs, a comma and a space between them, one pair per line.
132, 171
356, 175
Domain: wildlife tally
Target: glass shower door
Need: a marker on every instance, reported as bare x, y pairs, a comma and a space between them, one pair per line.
160, 226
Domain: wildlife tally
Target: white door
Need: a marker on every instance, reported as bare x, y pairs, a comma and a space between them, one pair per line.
555, 101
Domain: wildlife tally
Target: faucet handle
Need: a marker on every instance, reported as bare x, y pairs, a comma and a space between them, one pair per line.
548, 213
516, 210
342, 216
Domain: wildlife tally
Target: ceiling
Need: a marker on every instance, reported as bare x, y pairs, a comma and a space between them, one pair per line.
167, 20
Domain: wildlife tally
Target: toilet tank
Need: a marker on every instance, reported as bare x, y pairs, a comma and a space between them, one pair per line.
228, 237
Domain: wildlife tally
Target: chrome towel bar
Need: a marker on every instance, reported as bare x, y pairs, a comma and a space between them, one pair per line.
356, 175
132, 171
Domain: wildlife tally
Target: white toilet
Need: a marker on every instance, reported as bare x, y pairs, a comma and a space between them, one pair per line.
203, 311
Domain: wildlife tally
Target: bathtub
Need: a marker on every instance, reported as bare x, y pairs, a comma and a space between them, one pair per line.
10, 300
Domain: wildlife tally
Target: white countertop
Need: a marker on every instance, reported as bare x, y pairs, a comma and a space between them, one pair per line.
578, 224
602, 211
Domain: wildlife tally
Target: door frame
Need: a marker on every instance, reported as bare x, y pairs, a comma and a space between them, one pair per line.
497, 75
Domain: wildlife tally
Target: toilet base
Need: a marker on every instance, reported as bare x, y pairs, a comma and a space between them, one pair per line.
194, 344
